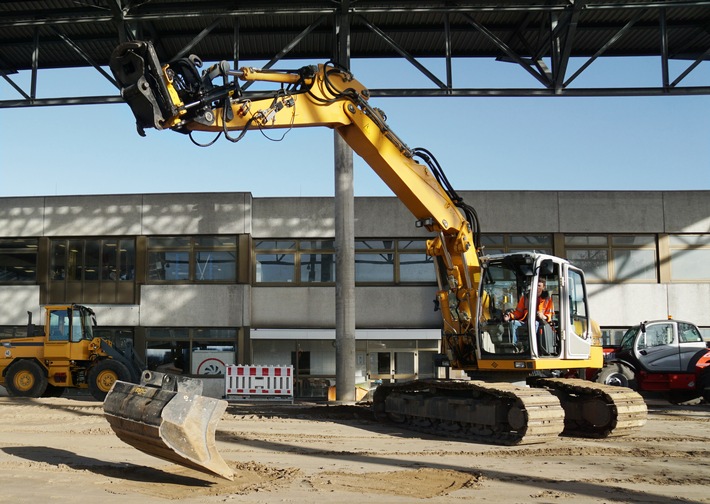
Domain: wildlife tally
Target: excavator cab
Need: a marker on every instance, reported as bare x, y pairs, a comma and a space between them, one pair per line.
519, 286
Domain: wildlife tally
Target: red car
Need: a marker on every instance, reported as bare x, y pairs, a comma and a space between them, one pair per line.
666, 356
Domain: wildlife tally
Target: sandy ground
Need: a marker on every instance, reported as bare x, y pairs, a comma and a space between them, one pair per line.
62, 450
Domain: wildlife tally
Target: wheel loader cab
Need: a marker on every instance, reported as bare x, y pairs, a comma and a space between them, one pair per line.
69, 324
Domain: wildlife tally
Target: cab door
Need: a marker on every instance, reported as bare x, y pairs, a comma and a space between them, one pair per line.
574, 315
57, 345
657, 348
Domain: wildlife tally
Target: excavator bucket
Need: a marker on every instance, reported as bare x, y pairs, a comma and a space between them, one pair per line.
166, 417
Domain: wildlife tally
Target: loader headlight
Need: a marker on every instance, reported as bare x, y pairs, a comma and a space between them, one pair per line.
519, 365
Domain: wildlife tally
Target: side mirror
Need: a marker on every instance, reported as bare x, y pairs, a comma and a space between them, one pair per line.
547, 268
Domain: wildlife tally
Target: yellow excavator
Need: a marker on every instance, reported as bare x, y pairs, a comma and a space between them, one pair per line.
523, 385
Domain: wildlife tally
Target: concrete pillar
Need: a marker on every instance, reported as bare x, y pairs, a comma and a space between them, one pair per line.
344, 273
344, 241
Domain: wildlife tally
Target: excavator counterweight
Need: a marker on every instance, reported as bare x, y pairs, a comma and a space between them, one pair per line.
167, 417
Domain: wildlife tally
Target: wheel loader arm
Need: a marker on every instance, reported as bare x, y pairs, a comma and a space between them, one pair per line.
176, 96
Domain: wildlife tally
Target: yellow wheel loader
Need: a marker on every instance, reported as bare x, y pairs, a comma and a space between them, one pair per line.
63, 353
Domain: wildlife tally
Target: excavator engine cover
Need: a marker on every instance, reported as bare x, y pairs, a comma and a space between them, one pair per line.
166, 417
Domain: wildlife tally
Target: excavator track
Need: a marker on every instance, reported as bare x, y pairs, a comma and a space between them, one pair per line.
496, 413
595, 410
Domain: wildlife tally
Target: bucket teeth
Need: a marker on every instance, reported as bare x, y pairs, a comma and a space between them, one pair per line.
166, 417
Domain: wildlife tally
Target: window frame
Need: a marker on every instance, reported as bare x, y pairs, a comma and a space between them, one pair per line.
695, 242
12, 250
611, 246
299, 248
503, 243
191, 246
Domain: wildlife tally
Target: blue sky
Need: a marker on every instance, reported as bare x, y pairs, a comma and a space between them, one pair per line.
637, 143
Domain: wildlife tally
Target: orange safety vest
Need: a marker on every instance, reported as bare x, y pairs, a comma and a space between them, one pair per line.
544, 305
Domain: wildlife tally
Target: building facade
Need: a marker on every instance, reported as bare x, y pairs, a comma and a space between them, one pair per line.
200, 281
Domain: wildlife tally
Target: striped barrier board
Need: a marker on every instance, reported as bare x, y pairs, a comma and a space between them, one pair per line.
258, 383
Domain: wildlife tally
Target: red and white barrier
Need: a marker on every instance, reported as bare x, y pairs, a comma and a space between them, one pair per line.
259, 383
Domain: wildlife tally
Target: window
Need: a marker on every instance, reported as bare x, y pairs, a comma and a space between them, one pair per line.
657, 335
577, 303
415, 266
121, 337
374, 261
18, 260
393, 261
317, 261
313, 261
198, 259
688, 333
690, 257
615, 258
108, 259
196, 351
96, 270
275, 261
499, 244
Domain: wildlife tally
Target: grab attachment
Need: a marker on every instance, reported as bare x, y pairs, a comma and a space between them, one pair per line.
167, 417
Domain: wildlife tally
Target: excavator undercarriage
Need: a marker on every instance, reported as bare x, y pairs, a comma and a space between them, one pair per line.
507, 414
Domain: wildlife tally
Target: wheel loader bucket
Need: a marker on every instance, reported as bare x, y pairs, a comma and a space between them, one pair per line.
166, 417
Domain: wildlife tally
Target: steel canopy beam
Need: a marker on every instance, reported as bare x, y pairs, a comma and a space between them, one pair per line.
533, 35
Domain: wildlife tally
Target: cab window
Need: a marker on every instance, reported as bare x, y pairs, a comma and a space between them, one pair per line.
688, 333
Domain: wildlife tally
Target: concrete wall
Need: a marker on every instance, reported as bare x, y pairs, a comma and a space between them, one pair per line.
15, 301
315, 218
195, 306
222, 213
314, 307
515, 211
686, 211
293, 218
118, 215
21, 217
628, 304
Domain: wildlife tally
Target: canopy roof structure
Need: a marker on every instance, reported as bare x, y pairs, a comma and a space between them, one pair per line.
552, 41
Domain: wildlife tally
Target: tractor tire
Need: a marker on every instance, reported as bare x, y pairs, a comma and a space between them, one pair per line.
104, 374
704, 384
619, 375
686, 397
25, 378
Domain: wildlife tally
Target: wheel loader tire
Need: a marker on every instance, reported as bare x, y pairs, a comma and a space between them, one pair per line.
104, 374
25, 378
619, 375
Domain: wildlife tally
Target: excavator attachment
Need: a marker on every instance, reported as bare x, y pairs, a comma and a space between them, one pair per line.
166, 417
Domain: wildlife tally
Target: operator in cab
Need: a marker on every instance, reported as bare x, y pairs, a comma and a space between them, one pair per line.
545, 309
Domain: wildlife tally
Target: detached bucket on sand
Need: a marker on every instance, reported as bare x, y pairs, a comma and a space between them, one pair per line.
166, 417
